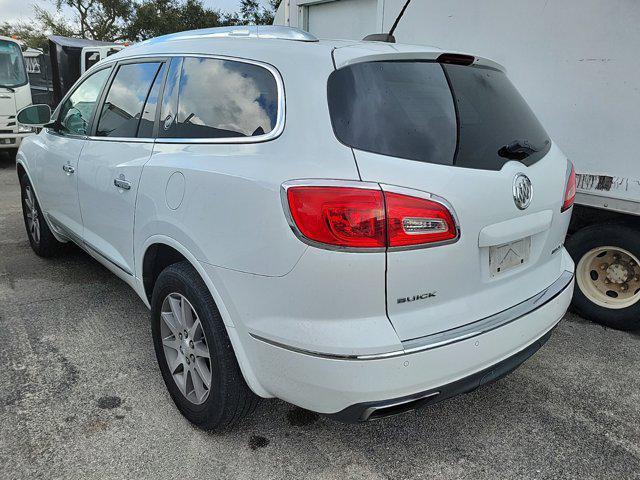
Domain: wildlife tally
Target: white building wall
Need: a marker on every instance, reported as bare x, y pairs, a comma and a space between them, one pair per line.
575, 61
353, 19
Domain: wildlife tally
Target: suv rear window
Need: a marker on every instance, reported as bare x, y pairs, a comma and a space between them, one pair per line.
406, 109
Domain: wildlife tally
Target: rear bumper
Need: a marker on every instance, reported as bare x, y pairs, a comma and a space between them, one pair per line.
359, 388
372, 410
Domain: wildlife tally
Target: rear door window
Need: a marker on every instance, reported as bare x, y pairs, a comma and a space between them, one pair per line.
147, 122
220, 99
444, 114
169, 110
122, 109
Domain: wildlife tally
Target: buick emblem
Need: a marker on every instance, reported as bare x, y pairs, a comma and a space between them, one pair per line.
522, 191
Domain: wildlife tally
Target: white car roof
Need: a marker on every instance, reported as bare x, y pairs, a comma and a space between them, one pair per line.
266, 42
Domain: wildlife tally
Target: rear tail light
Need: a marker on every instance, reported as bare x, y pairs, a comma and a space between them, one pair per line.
416, 221
570, 190
365, 217
340, 216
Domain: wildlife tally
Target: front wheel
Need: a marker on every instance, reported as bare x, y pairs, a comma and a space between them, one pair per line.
607, 258
41, 239
194, 353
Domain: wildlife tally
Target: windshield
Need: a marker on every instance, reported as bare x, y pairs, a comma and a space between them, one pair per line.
12, 69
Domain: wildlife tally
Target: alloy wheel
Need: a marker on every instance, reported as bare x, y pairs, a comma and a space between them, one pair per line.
185, 348
33, 219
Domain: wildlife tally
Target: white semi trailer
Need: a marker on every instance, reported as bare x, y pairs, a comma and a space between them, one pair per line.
576, 63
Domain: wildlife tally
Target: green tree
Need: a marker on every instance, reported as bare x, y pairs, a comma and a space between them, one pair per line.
159, 17
253, 13
33, 36
116, 20
93, 19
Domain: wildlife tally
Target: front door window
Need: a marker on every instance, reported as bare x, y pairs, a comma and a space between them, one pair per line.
75, 112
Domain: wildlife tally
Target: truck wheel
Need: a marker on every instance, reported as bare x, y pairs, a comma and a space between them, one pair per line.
607, 258
42, 241
194, 353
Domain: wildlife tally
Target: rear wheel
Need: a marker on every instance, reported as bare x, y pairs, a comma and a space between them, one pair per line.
607, 260
194, 353
40, 236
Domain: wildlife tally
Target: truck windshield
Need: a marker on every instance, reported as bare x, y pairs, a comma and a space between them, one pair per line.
12, 69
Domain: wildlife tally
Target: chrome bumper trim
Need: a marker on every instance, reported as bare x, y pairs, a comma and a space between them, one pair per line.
489, 323
453, 335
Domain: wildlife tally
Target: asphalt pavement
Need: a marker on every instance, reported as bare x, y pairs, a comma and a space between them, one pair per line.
81, 397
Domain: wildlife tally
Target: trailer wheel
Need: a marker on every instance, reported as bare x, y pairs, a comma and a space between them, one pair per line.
607, 258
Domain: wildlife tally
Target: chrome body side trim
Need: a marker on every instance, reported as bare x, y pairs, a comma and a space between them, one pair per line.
69, 235
453, 335
88, 247
330, 356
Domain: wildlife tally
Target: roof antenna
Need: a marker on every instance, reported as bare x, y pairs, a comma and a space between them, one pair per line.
387, 37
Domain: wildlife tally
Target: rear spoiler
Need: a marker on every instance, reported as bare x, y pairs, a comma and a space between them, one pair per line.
378, 52
456, 59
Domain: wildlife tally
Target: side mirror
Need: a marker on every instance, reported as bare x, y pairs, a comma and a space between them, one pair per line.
35, 115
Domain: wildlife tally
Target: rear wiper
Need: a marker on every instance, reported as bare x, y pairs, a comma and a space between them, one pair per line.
517, 150
8, 88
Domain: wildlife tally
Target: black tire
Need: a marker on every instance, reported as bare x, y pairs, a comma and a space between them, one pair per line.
229, 398
44, 243
583, 241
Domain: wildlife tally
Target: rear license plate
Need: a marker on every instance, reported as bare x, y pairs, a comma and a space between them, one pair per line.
509, 255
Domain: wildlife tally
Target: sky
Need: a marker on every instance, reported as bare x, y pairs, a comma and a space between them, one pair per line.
11, 10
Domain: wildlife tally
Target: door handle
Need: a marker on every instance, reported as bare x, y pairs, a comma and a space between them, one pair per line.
68, 169
122, 183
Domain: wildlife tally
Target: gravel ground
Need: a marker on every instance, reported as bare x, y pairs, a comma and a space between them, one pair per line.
81, 397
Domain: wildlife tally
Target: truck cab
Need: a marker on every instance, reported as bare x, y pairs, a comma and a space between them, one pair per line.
92, 55
71, 57
15, 93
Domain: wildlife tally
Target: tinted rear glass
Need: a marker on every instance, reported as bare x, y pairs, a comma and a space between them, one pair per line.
496, 124
406, 109
402, 109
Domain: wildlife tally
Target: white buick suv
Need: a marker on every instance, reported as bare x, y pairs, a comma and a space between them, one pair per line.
357, 228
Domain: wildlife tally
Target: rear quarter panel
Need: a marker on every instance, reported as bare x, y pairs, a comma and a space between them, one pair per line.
231, 214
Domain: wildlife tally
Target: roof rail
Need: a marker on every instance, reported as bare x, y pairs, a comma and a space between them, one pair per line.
245, 31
